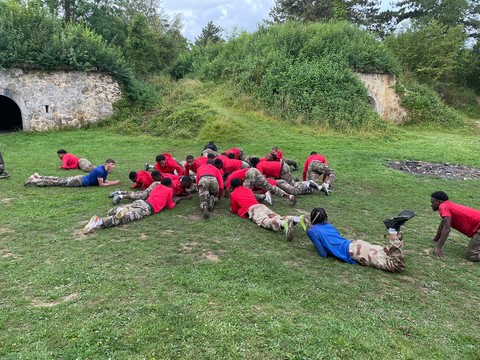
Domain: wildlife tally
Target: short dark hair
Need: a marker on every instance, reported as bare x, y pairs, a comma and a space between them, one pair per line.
210, 156
160, 158
440, 195
218, 163
235, 182
61, 151
313, 153
254, 161
109, 161
167, 182
186, 181
157, 175
231, 155
189, 157
132, 176
226, 174
318, 216
211, 145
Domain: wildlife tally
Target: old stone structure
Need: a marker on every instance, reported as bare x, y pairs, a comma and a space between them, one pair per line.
47, 99
383, 97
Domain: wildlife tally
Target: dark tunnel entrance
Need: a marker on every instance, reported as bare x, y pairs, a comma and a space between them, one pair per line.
10, 115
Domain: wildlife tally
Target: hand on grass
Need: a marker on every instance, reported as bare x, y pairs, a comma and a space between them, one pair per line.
438, 252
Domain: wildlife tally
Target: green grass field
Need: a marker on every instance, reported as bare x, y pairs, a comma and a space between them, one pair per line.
174, 286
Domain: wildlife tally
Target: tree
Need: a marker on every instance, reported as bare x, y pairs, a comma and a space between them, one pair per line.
211, 34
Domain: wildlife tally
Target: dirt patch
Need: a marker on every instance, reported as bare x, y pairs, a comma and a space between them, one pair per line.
39, 303
209, 255
6, 231
6, 200
441, 170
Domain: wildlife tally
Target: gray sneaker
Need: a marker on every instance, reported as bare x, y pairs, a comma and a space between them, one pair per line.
4, 175
204, 207
112, 194
288, 227
116, 199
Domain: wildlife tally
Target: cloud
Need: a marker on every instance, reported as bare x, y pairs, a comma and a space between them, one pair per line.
227, 14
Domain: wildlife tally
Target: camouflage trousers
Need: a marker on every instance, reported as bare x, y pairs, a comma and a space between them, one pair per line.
473, 248
317, 168
2, 165
388, 258
85, 165
73, 181
299, 188
285, 173
254, 179
266, 218
139, 195
210, 151
207, 185
127, 213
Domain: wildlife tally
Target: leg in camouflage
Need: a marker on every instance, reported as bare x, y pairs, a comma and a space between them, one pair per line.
317, 168
299, 188
210, 151
266, 218
74, 181
85, 165
473, 248
253, 178
285, 173
207, 185
125, 214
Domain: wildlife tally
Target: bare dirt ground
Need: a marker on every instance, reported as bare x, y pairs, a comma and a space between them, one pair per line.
441, 170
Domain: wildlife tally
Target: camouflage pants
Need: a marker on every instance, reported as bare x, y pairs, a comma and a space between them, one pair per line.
300, 188
285, 173
210, 151
317, 168
139, 195
388, 258
2, 165
73, 181
253, 179
207, 185
241, 155
85, 165
266, 218
127, 213
473, 248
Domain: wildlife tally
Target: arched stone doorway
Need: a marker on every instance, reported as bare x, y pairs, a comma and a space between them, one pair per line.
10, 115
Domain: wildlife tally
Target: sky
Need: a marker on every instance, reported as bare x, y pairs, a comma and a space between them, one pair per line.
227, 14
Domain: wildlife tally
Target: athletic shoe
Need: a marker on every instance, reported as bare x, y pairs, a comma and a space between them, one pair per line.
94, 223
313, 185
304, 223
294, 168
146, 167
205, 213
288, 227
112, 194
37, 175
292, 199
325, 190
211, 203
268, 197
397, 221
30, 180
4, 175
116, 199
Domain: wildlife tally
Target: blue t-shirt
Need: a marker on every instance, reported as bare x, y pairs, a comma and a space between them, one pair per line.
328, 241
91, 179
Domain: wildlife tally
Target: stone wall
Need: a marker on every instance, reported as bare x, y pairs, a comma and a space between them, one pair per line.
386, 102
59, 98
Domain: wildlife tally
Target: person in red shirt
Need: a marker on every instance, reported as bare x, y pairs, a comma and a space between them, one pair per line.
166, 164
276, 154
238, 153
244, 204
316, 166
273, 169
210, 185
160, 197
462, 218
142, 179
70, 161
192, 164
230, 164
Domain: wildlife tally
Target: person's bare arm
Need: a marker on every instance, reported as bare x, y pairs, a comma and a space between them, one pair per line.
442, 234
102, 182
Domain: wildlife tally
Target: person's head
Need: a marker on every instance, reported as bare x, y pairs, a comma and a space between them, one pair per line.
313, 153
186, 182
210, 156
211, 145
157, 175
109, 165
236, 182
61, 153
274, 149
271, 157
254, 161
231, 155
318, 216
167, 182
438, 197
190, 159
161, 160
226, 174
218, 163
133, 176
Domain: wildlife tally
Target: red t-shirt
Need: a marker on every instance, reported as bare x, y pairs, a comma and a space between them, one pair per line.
317, 157
270, 168
177, 187
239, 174
464, 219
144, 180
161, 196
211, 170
234, 151
69, 161
170, 166
231, 165
241, 199
202, 160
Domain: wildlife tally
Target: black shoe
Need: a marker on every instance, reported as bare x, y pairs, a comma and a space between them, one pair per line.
295, 168
211, 203
205, 213
397, 221
4, 175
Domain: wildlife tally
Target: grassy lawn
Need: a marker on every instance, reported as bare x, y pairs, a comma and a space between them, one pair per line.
176, 286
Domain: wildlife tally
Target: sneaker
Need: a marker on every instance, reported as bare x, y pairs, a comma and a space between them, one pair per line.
313, 185
288, 227
397, 221
4, 175
205, 213
30, 180
94, 223
268, 197
116, 199
112, 194
304, 223
295, 168
292, 199
37, 175
211, 203
325, 190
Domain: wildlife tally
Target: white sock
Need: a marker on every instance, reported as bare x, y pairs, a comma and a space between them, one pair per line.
281, 222
325, 185
392, 231
296, 219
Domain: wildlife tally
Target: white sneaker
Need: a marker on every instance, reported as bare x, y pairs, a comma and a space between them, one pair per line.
292, 199
325, 189
313, 185
94, 223
30, 180
36, 175
268, 197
